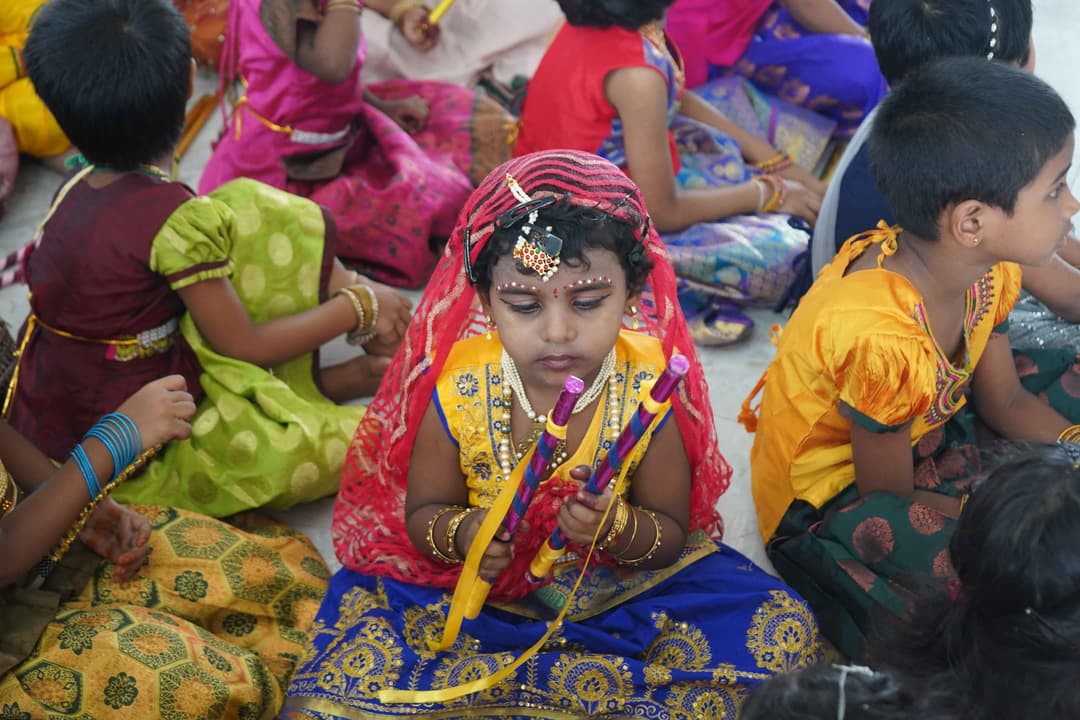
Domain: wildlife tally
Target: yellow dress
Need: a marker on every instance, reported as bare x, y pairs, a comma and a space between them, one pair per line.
36, 130
862, 341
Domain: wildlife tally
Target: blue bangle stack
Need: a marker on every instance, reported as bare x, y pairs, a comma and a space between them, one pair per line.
120, 436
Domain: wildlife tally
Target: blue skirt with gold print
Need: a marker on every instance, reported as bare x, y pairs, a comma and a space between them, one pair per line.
689, 641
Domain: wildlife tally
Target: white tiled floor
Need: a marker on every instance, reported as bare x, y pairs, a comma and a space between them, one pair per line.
731, 372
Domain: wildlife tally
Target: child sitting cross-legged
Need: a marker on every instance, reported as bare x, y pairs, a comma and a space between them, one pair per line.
859, 467
135, 276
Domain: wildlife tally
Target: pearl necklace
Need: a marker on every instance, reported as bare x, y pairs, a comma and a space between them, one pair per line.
513, 382
512, 385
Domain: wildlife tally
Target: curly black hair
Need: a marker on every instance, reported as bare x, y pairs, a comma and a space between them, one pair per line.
629, 14
581, 228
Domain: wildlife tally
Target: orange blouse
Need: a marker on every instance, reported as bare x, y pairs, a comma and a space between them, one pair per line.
861, 340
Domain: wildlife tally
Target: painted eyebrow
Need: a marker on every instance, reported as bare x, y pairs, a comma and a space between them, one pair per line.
1062, 174
516, 288
594, 283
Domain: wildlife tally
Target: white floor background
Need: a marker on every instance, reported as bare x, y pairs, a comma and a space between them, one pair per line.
731, 372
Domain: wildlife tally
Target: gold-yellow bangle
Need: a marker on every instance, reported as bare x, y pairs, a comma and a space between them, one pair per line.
452, 531
618, 524
656, 543
431, 533
1070, 434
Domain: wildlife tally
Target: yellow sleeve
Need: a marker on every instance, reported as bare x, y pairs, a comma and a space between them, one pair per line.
195, 243
1011, 278
886, 379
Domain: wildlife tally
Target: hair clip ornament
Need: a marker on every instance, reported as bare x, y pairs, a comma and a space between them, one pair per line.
537, 249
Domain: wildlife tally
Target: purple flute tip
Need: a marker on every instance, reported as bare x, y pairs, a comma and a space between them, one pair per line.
679, 364
574, 384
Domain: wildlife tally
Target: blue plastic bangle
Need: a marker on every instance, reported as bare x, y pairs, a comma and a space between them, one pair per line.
130, 431
120, 436
87, 470
108, 437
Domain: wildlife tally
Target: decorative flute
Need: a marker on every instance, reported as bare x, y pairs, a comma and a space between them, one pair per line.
535, 471
609, 467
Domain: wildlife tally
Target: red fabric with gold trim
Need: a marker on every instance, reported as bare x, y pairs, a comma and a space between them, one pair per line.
369, 516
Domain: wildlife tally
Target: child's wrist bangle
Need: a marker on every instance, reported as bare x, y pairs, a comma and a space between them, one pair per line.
762, 192
452, 531
120, 436
1070, 434
350, 5
89, 476
432, 545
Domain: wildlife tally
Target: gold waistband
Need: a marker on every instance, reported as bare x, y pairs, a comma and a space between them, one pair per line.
148, 343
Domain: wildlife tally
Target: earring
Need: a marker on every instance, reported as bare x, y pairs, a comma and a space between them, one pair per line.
633, 317
976, 241
490, 326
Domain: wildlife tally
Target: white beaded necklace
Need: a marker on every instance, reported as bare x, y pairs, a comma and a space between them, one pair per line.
512, 385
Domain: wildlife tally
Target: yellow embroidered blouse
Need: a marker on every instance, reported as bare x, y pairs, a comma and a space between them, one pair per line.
469, 400
861, 340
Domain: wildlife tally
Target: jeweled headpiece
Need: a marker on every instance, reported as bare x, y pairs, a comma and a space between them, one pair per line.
537, 249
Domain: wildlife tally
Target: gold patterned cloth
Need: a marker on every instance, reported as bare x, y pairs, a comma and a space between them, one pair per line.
687, 641
211, 628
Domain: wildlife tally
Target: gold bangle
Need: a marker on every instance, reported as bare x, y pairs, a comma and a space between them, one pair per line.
780, 161
397, 12
1070, 434
452, 531
350, 5
633, 533
618, 524
963, 500
431, 533
656, 543
372, 310
367, 313
9, 492
357, 306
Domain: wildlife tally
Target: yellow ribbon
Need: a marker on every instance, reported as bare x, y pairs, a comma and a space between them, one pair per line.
884, 233
416, 697
465, 589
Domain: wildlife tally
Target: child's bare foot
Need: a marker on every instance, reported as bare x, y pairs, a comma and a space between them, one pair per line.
356, 378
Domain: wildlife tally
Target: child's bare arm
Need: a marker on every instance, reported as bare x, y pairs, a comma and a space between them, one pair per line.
224, 321
753, 148
1071, 252
661, 484
436, 484
883, 463
639, 95
38, 522
1056, 285
160, 410
29, 466
1003, 403
325, 47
